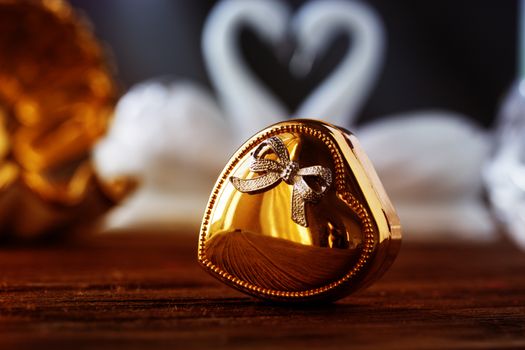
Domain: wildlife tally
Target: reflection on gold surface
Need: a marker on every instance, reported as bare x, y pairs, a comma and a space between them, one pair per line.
250, 241
277, 263
56, 98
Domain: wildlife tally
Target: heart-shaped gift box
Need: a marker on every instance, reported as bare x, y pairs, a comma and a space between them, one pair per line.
252, 238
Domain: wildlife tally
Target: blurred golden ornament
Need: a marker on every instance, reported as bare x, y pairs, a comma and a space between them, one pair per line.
56, 98
299, 214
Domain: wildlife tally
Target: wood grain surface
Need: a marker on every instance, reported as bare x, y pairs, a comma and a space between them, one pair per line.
146, 291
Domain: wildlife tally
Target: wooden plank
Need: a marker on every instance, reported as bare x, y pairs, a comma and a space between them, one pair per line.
147, 291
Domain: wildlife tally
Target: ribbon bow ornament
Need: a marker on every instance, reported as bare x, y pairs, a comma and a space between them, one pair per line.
284, 170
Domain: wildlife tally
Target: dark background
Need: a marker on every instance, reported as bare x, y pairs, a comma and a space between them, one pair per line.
455, 55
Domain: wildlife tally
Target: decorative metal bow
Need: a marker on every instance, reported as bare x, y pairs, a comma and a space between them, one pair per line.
288, 171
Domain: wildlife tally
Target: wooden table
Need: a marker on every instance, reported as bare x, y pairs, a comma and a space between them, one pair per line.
147, 292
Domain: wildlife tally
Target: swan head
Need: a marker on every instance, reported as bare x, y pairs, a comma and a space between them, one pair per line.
317, 22
269, 18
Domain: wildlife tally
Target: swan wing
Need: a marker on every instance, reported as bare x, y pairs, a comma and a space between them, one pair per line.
430, 161
172, 139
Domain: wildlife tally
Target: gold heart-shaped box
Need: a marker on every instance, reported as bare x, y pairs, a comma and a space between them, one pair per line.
299, 214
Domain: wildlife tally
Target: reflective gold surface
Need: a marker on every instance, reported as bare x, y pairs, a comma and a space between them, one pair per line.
250, 241
56, 98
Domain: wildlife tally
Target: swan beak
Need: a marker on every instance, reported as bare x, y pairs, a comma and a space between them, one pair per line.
290, 54
301, 64
301, 61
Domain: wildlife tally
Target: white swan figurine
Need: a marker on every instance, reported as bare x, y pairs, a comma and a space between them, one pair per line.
430, 161
248, 105
173, 138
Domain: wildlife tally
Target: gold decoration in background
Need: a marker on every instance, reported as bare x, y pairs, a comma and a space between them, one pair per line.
56, 98
250, 241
